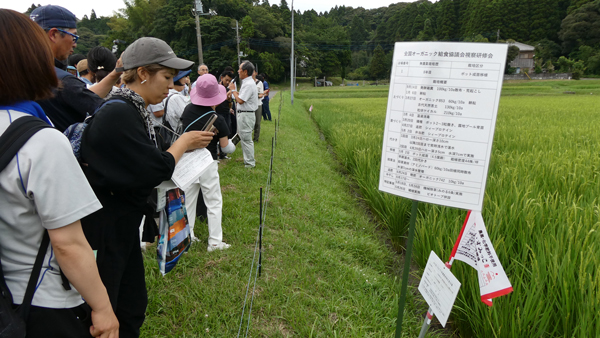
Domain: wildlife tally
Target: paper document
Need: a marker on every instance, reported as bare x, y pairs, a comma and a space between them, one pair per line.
190, 167
439, 287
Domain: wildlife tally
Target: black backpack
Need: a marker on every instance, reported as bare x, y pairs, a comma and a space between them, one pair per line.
12, 322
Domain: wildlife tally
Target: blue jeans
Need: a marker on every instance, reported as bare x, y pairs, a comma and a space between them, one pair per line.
266, 112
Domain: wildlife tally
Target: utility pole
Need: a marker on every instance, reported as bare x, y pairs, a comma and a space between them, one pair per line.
292, 63
237, 38
198, 34
197, 11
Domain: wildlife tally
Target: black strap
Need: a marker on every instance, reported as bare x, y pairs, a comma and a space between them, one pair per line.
164, 117
33, 279
13, 138
16, 135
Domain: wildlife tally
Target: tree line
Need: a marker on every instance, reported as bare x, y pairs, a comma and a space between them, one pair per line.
353, 43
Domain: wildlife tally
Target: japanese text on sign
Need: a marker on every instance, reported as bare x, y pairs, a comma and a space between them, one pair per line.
440, 121
439, 287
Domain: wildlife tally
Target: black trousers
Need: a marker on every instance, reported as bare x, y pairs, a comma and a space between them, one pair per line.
58, 323
114, 232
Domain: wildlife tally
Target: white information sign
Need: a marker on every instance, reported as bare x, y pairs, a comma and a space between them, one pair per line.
439, 287
440, 121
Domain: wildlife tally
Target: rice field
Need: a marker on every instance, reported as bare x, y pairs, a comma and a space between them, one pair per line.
541, 207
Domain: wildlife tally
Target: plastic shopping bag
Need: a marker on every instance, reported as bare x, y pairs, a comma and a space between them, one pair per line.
174, 230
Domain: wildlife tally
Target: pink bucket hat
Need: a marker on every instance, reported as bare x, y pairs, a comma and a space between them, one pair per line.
208, 92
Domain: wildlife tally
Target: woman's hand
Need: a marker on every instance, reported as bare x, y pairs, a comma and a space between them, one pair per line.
190, 141
197, 139
104, 323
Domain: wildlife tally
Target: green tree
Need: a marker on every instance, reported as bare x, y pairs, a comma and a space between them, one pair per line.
575, 4
477, 38
417, 26
593, 64
266, 24
544, 20
578, 69
448, 21
377, 68
549, 66
272, 66
87, 40
547, 50
513, 52
246, 33
358, 32
31, 8
427, 33
581, 27
565, 64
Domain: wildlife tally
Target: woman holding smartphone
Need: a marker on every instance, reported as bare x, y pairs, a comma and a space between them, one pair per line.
123, 165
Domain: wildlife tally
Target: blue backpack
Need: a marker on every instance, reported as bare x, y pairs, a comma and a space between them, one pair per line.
75, 131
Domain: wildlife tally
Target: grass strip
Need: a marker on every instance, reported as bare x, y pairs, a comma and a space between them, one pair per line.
326, 269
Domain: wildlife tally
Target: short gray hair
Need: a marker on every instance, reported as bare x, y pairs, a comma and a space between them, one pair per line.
248, 67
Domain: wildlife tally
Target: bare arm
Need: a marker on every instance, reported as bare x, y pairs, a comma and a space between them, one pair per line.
235, 94
236, 97
76, 260
223, 142
103, 87
159, 113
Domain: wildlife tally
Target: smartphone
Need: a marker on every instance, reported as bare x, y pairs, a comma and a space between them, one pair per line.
209, 125
235, 139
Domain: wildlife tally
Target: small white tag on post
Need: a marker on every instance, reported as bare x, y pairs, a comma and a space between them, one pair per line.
439, 287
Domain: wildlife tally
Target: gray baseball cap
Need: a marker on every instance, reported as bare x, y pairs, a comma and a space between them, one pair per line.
147, 51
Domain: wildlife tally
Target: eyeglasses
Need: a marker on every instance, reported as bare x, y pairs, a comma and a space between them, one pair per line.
75, 37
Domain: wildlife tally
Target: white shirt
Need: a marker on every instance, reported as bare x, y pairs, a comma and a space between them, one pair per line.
261, 89
175, 107
249, 94
56, 195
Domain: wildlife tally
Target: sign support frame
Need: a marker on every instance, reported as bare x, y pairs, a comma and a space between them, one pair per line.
406, 271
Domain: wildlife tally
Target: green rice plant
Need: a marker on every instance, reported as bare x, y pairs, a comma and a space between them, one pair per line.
541, 207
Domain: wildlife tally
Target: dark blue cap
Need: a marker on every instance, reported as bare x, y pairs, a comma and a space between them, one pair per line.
53, 17
181, 74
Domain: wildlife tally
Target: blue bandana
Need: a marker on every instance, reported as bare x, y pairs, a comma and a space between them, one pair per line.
29, 107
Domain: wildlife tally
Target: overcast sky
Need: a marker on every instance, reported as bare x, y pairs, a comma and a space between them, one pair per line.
106, 7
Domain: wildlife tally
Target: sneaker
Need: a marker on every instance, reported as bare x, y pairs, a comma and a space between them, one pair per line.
225, 157
195, 239
220, 246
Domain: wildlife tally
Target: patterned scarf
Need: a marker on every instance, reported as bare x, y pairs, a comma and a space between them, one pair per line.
139, 103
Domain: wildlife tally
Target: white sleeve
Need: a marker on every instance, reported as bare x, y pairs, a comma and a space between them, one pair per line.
175, 107
54, 181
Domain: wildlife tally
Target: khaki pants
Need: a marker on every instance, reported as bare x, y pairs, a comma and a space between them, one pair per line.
258, 118
245, 124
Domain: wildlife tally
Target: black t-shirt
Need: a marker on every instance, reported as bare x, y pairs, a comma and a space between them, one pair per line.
71, 103
223, 108
192, 112
120, 156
